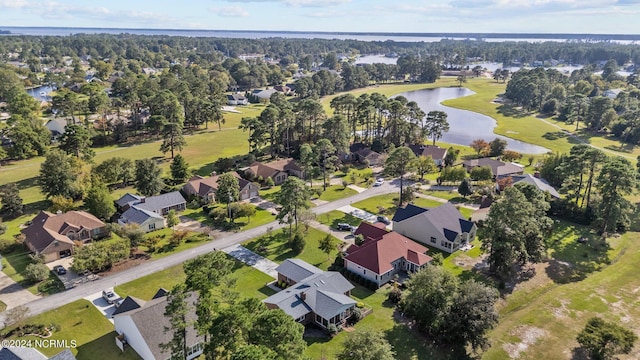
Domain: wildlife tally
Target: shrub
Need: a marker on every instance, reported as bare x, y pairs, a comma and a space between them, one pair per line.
356, 315
344, 184
36, 272
6, 246
297, 243
332, 329
395, 295
359, 304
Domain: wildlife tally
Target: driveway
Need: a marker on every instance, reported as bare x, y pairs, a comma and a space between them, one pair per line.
71, 278
189, 224
359, 213
344, 236
13, 294
265, 204
102, 305
252, 259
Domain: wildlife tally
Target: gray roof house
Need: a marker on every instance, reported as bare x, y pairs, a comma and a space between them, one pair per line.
160, 204
320, 297
29, 353
536, 181
442, 227
499, 168
141, 324
147, 220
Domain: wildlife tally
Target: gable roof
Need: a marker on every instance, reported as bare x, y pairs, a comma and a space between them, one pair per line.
433, 151
21, 353
321, 293
65, 354
539, 183
446, 219
129, 303
498, 168
46, 227
297, 270
150, 322
407, 212
382, 247
269, 169
202, 186
136, 215
159, 202
128, 198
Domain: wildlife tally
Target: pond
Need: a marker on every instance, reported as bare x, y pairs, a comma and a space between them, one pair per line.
465, 126
41, 93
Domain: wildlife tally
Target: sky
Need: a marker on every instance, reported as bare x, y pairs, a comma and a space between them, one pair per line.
401, 16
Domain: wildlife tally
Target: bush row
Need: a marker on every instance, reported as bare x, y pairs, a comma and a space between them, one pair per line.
359, 279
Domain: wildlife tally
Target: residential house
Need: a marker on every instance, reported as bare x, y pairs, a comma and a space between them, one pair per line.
141, 325
31, 353
498, 168
206, 188
483, 212
146, 220
237, 99
368, 156
277, 170
384, 254
442, 227
264, 95
52, 235
538, 182
57, 126
435, 152
315, 296
283, 89
612, 93
159, 204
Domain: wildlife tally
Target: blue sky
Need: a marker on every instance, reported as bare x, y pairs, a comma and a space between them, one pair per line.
571, 16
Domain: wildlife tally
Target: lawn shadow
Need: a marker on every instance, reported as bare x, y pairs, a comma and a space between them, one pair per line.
578, 353
411, 344
267, 291
361, 292
19, 259
512, 111
105, 347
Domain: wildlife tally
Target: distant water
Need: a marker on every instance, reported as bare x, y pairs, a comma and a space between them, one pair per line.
465, 126
255, 34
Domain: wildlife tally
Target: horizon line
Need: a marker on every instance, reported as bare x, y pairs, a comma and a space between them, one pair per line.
408, 34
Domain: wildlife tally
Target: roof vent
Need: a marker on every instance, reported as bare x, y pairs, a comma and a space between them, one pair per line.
322, 281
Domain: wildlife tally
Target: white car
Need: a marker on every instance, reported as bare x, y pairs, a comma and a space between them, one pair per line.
109, 295
378, 182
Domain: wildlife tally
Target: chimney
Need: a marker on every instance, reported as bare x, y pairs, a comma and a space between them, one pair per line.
303, 296
59, 212
213, 173
536, 174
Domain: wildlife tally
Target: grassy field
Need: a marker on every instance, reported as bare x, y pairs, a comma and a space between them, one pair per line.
82, 322
274, 246
260, 218
335, 192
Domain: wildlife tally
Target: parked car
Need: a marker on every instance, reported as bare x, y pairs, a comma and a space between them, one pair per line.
378, 182
344, 227
109, 295
118, 302
59, 269
383, 219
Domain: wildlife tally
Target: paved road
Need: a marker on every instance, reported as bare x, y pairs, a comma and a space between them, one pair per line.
86, 289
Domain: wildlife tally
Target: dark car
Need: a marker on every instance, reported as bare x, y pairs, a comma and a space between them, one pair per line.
384, 219
59, 269
344, 227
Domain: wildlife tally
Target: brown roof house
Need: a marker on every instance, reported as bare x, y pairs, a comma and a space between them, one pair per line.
277, 170
314, 296
498, 168
435, 152
206, 188
140, 324
52, 235
383, 254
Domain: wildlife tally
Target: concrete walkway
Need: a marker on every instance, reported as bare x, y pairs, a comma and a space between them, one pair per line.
359, 213
356, 188
252, 259
13, 294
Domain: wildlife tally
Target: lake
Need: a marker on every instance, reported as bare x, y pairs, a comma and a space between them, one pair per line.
465, 126
41, 93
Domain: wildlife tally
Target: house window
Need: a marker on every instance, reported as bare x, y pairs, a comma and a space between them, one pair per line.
152, 226
364, 272
301, 318
376, 277
443, 243
433, 240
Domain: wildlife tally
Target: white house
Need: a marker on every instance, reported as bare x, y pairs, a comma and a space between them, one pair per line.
237, 99
147, 220
141, 324
442, 227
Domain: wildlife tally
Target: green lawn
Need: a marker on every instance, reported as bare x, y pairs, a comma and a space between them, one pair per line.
336, 192
163, 248
559, 310
359, 174
249, 282
260, 218
82, 322
274, 246
334, 217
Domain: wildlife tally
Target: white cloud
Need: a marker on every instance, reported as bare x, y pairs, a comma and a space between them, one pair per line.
298, 3
229, 11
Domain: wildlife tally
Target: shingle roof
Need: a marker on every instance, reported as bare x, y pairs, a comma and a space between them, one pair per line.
498, 168
406, 212
150, 322
159, 202
539, 183
268, 169
321, 293
65, 354
128, 198
435, 152
446, 219
138, 216
21, 353
297, 270
129, 303
47, 227
379, 251
202, 186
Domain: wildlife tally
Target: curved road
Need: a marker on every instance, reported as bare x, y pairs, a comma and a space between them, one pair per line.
85, 289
